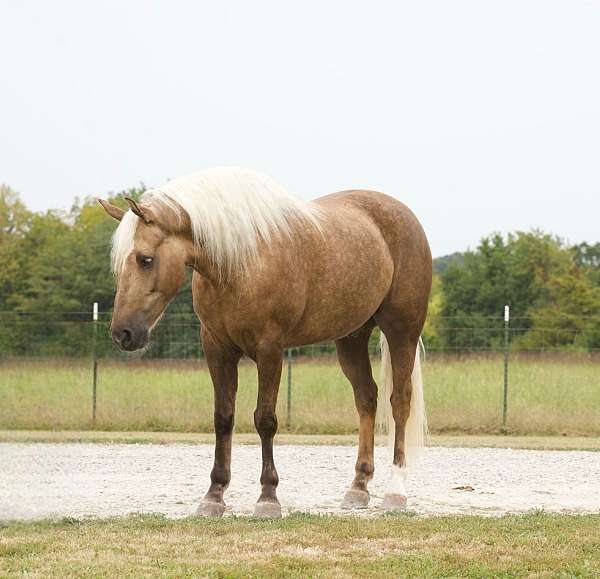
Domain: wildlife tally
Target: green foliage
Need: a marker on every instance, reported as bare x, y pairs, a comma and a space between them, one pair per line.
58, 262
553, 291
431, 335
441, 264
587, 257
569, 319
53, 263
15, 222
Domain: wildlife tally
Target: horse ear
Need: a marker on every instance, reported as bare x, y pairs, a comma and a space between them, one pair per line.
114, 211
139, 210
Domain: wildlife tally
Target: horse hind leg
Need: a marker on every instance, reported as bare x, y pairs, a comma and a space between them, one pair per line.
353, 356
401, 364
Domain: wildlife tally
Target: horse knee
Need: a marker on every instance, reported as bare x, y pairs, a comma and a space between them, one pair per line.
265, 423
223, 423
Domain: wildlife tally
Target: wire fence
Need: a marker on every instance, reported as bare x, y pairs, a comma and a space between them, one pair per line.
30, 338
176, 337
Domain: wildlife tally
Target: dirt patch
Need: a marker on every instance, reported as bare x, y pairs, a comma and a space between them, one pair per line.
56, 480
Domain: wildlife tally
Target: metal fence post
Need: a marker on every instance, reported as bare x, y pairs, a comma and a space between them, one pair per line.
94, 361
506, 345
289, 388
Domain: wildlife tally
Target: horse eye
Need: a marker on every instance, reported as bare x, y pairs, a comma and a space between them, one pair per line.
145, 260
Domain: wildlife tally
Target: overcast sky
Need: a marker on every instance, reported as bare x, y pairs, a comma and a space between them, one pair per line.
480, 115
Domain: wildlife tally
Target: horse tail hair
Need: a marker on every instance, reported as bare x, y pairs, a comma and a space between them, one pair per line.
416, 425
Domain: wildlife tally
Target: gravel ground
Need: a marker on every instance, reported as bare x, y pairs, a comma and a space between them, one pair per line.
42, 480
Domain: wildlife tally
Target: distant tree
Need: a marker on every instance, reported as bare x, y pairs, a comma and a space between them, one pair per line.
15, 222
14, 216
532, 272
431, 330
69, 260
588, 258
512, 270
569, 319
58, 262
441, 264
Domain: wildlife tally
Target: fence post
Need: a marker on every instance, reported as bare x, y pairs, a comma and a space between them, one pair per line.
289, 388
506, 345
94, 361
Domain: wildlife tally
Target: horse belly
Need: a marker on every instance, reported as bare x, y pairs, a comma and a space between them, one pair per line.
347, 289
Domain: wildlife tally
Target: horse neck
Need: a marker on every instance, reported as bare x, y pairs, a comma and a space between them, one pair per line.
222, 281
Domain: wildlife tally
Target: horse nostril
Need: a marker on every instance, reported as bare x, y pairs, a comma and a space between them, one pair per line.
123, 337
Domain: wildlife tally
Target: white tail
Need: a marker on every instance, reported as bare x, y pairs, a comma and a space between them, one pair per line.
416, 426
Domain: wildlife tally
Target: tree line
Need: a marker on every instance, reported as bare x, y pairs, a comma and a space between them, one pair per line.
55, 263
552, 288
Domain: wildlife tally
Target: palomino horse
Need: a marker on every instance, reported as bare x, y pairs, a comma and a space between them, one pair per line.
272, 272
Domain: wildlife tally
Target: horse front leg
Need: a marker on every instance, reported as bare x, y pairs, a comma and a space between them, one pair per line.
222, 364
269, 363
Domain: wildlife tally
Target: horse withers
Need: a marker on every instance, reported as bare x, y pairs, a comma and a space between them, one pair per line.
272, 272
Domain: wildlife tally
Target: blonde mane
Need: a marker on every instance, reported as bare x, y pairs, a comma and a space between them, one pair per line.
230, 210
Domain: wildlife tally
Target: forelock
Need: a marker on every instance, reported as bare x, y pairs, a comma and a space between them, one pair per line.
122, 241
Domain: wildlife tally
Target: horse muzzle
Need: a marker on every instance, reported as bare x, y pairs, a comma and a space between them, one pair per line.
130, 338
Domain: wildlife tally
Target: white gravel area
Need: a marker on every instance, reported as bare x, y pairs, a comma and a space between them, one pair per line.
39, 480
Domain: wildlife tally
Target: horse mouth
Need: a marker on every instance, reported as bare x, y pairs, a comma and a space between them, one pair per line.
134, 346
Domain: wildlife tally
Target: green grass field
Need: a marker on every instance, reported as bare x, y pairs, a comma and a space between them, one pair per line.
547, 396
539, 545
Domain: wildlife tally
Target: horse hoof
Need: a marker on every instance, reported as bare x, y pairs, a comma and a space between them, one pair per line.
267, 510
210, 509
393, 502
355, 499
